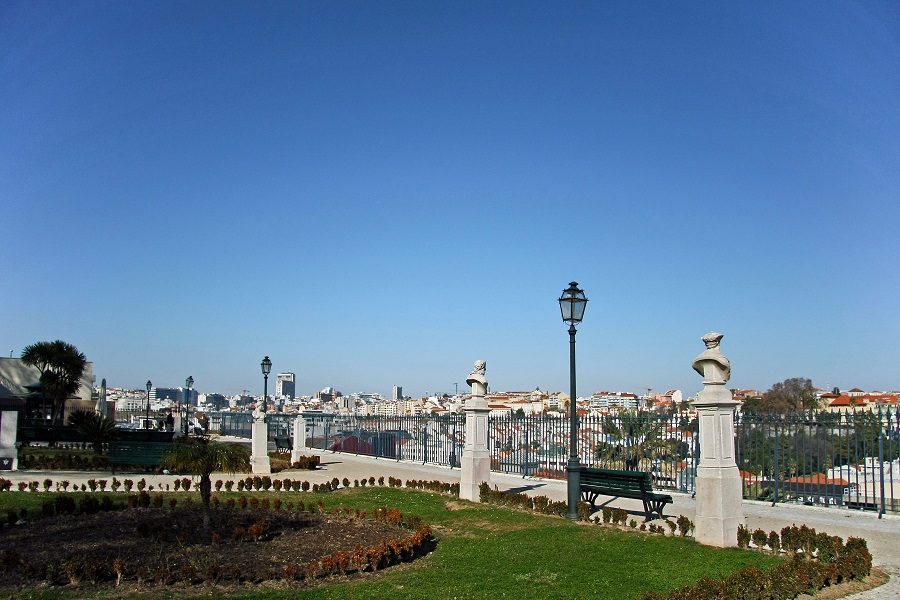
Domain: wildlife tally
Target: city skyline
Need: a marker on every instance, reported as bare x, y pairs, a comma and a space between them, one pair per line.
380, 194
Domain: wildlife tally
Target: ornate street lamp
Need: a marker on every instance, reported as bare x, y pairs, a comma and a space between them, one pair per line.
188, 385
147, 416
266, 366
572, 304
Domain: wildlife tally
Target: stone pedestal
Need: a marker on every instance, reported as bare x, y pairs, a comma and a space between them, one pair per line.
718, 485
476, 459
9, 454
259, 444
299, 438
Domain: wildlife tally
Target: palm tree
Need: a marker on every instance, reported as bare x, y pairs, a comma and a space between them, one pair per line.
95, 427
631, 438
201, 456
61, 366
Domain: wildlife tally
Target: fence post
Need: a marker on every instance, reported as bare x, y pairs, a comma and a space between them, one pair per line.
881, 461
775, 467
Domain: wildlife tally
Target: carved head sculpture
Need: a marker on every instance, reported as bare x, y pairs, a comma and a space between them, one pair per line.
712, 339
480, 367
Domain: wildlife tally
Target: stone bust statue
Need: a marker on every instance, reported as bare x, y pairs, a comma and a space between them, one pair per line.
712, 364
477, 374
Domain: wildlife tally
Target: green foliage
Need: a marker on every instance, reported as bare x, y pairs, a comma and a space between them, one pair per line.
790, 395
61, 366
201, 457
95, 427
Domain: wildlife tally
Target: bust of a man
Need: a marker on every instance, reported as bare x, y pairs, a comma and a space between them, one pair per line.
477, 374
712, 364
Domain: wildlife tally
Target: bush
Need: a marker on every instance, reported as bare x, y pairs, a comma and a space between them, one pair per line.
309, 463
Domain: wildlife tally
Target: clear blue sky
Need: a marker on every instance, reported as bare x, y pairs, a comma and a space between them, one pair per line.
380, 193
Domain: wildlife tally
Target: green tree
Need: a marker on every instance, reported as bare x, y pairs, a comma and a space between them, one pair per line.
201, 457
791, 395
61, 366
96, 428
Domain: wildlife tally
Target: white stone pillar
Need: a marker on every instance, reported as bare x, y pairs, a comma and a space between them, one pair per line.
719, 508
9, 454
259, 444
299, 438
476, 459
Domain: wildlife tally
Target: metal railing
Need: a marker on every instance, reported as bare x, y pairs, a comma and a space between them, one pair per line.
818, 458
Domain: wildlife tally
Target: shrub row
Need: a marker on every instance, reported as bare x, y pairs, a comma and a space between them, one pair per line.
816, 560
609, 515
796, 576
69, 462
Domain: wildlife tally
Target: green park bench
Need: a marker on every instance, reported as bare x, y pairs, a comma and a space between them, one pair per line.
136, 454
622, 484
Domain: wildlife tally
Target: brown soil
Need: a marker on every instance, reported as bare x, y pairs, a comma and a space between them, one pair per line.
169, 545
842, 590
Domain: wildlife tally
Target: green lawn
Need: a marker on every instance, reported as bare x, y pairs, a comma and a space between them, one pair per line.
492, 552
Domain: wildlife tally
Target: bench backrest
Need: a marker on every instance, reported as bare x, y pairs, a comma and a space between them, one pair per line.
137, 452
613, 479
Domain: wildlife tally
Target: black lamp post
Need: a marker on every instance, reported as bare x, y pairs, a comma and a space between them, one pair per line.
188, 384
266, 365
572, 304
147, 416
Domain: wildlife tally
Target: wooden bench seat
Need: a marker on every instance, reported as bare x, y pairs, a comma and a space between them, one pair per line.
622, 484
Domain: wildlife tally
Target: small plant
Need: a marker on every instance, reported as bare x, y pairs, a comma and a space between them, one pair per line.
186, 484
119, 569
128, 485
177, 484
277, 485
228, 485
632, 523
142, 485
116, 484
685, 526
102, 483
759, 538
743, 537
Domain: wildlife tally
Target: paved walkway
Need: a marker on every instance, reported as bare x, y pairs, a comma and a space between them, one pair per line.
882, 535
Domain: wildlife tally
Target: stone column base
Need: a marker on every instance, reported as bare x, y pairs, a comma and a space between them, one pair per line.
475, 470
719, 506
9, 454
259, 458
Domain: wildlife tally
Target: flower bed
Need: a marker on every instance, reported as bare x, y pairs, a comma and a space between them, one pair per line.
159, 542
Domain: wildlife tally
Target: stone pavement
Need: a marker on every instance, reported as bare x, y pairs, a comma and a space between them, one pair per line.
882, 535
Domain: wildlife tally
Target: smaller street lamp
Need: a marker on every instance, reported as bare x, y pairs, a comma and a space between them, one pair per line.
266, 366
147, 416
188, 385
572, 304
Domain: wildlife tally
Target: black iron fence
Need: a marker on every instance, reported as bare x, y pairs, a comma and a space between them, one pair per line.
847, 459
